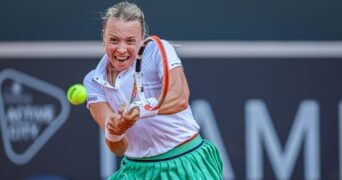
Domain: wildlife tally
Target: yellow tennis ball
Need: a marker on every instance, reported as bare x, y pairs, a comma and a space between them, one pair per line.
77, 94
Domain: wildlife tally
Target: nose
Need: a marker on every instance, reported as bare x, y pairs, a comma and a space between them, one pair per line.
122, 48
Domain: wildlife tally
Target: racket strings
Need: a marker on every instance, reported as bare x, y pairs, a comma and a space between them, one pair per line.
150, 73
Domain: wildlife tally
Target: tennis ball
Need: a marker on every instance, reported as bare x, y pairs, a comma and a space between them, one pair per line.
77, 94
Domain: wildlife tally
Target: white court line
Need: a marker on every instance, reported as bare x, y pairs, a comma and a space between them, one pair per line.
187, 49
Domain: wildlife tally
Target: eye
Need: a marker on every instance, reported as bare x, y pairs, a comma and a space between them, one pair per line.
131, 41
113, 40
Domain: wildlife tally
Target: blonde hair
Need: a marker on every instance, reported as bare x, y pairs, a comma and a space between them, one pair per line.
125, 11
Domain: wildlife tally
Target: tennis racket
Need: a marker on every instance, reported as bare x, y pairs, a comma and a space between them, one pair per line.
151, 77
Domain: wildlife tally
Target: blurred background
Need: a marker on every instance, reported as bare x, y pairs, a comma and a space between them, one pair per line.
265, 80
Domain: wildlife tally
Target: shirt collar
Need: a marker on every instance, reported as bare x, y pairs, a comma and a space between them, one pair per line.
100, 75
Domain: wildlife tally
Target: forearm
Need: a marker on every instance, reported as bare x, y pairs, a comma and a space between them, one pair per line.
177, 98
174, 104
99, 112
118, 148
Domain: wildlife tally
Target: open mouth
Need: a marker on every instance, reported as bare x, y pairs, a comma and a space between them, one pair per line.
121, 58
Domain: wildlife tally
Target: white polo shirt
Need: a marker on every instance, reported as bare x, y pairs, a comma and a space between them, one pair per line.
149, 136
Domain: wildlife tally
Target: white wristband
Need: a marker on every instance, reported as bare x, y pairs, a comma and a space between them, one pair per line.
145, 113
112, 137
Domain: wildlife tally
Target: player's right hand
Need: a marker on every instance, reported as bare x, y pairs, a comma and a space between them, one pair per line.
129, 118
117, 123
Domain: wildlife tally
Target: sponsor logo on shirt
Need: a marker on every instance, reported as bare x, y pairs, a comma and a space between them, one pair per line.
92, 98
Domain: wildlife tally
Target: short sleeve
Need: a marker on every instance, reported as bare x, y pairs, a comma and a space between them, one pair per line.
95, 92
174, 60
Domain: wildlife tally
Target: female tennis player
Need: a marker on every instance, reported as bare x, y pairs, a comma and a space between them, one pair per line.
157, 134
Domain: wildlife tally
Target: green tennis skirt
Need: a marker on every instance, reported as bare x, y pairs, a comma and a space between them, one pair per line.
196, 159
